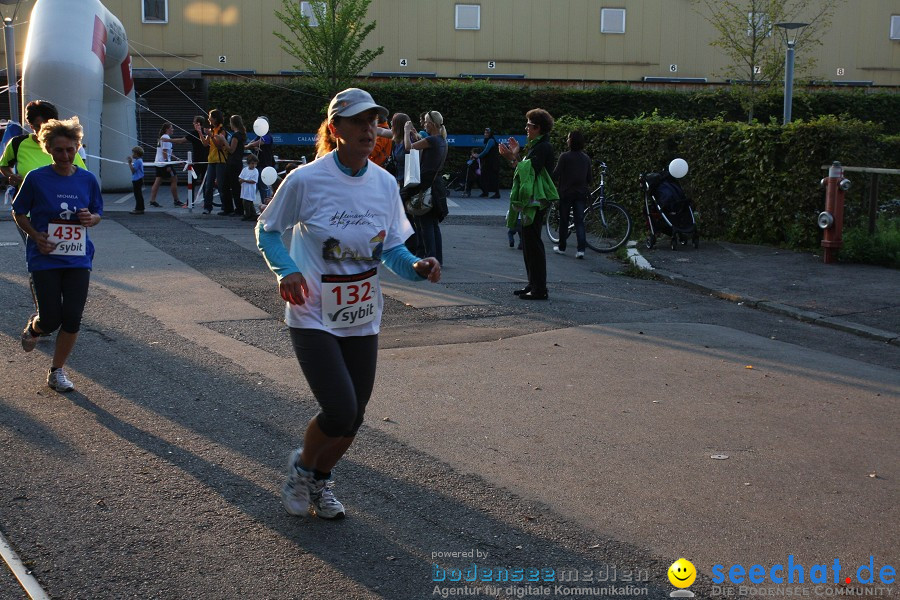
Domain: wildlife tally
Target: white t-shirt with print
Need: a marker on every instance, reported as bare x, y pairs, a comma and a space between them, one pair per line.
341, 225
164, 144
248, 190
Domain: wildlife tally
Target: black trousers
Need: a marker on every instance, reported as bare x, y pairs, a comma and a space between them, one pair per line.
61, 296
341, 374
534, 255
575, 204
138, 188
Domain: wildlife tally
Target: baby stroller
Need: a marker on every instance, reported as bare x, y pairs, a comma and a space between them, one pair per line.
464, 179
667, 208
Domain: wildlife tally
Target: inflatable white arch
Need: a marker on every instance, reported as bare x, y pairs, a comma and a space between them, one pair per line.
74, 47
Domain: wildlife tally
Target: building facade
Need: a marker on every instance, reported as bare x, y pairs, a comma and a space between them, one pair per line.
566, 41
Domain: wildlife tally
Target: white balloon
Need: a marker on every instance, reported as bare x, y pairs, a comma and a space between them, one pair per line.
260, 126
269, 175
678, 168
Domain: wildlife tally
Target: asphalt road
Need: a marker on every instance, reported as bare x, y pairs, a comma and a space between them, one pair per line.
574, 434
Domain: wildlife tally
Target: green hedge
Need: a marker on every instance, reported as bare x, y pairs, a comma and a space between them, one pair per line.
753, 183
469, 106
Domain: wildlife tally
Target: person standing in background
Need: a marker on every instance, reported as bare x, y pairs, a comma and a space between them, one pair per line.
490, 165
531, 194
233, 166
136, 164
198, 150
265, 153
214, 139
573, 172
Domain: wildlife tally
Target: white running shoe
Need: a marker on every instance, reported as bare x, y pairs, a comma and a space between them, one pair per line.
295, 492
579, 255
322, 502
558, 251
58, 381
28, 341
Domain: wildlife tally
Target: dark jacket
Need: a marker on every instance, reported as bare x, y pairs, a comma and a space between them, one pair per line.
573, 172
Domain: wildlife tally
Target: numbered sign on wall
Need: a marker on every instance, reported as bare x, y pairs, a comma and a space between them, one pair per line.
222, 59
492, 64
840, 71
404, 62
673, 68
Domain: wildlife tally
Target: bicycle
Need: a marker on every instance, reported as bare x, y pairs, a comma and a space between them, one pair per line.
607, 224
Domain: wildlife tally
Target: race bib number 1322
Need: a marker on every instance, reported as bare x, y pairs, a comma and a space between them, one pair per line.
349, 300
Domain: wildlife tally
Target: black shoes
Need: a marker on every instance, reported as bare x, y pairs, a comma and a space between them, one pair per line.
495, 196
524, 290
533, 296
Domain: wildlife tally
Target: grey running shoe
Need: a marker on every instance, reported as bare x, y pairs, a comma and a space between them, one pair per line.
322, 502
28, 341
295, 492
58, 381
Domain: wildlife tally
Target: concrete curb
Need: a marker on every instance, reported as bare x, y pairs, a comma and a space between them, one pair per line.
806, 316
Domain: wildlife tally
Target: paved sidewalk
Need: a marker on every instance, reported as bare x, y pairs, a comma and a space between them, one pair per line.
859, 299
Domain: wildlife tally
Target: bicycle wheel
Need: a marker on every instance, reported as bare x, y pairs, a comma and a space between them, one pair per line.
553, 222
608, 228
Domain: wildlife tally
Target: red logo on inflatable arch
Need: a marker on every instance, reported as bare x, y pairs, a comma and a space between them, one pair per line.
98, 46
127, 81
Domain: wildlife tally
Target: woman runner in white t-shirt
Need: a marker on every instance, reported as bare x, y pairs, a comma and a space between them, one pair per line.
163, 155
347, 219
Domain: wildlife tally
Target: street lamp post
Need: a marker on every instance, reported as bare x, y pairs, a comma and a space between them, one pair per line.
789, 66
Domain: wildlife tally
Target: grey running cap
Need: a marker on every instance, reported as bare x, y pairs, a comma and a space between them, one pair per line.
353, 101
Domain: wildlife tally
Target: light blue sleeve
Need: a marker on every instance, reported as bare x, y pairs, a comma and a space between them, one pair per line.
489, 145
277, 256
400, 260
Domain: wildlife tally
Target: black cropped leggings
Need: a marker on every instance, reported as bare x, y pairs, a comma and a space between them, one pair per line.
61, 296
341, 374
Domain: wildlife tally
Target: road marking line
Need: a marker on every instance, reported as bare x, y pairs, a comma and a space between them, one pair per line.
125, 198
29, 583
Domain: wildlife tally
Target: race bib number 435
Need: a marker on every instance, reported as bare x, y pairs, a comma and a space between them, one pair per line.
349, 300
70, 238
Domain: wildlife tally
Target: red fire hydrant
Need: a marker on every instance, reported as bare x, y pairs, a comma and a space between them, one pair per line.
831, 221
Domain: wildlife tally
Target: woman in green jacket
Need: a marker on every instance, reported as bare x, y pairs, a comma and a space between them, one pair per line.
532, 192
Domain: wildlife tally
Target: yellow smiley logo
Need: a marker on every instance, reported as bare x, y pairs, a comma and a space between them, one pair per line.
682, 573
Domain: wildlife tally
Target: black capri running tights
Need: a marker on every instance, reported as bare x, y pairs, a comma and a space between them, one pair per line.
61, 295
341, 374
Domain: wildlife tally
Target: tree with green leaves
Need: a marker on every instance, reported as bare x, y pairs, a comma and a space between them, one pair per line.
328, 42
755, 47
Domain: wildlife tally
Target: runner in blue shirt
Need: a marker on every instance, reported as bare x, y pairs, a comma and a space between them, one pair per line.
54, 207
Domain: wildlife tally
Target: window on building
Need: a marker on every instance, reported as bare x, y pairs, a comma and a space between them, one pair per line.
306, 10
156, 11
758, 25
612, 20
895, 27
468, 16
